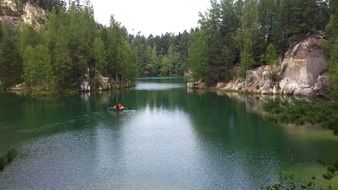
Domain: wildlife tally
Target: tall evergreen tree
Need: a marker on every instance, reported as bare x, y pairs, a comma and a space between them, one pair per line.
62, 61
267, 18
10, 59
246, 36
198, 56
100, 55
212, 22
37, 68
230, 24
330, 48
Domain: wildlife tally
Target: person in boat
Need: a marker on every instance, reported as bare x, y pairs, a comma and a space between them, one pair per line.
119, 106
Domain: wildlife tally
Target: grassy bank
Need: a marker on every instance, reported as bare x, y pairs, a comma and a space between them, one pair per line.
7, 159
300, 112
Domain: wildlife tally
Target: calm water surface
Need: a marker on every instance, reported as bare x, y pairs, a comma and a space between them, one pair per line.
170, 139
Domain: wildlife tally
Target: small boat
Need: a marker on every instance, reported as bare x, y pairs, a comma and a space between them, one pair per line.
116, 110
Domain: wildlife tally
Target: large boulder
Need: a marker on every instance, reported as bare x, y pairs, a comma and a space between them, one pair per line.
304, 64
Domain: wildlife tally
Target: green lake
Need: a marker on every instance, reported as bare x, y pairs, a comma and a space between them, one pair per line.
170, 138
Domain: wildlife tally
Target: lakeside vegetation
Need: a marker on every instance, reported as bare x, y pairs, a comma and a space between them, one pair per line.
7, 159
301, 112
233, 37
290, 182
70, 45
236, 36
164, 55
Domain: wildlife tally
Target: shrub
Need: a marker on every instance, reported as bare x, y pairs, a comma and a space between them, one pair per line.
301, 112
7, 159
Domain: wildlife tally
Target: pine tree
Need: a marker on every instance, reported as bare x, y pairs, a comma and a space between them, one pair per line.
230, 24
28, 36
37, 68
140, 51
267, 18
100, 55
246, 36
284, 24
10, 59
62, 62
198, 56
330, 48
271, 56
212, 23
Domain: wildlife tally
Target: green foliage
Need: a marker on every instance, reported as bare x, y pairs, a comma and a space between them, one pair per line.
330, 49
332, 170
299, 112
37, 68
164, 55
245, 37
100, 54
251, 33
48, 4
10, 58
62, 61
28, 36
7, 159
198, 56
289, 182
271, 56
59, 57
120, 57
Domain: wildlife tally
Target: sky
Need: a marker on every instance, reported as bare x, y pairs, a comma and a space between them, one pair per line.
151, 16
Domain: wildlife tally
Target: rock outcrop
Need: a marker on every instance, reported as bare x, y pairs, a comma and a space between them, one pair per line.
301, 72
197, 85
16, 12
305, 67
101, 83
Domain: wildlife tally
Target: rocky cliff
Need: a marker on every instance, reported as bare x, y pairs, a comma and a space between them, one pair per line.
16, 11
301, 72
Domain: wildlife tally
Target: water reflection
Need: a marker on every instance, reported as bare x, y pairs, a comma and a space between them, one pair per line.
155, 86
170, 139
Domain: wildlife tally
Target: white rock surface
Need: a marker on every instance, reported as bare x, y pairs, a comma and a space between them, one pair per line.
302, 72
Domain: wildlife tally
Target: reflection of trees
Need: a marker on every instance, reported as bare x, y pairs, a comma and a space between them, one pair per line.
232, 130
168, 99
218, 115
218, 121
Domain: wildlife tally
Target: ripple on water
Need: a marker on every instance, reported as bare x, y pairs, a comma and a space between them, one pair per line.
172, 140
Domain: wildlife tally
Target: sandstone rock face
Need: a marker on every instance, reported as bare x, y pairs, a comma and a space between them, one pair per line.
85, 84
15, 12
304, 66
302, 72
8, 6
33, 15
197, 85
102, 84
18, 87
105, 84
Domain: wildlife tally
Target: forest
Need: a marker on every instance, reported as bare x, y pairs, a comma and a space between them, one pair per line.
57, 57
164, 55
232, 37
235, 36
